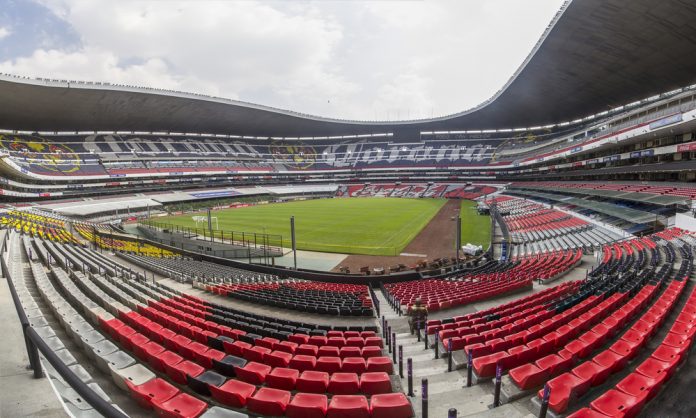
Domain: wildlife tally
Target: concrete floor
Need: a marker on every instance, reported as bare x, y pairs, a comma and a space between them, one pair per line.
16, 382
311, 260
445, 389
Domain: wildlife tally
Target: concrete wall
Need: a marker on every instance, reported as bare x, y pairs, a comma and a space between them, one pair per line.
685, 221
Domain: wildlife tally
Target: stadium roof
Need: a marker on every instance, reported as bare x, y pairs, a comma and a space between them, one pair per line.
596, 55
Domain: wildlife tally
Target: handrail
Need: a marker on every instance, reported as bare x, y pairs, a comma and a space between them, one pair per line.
35, 344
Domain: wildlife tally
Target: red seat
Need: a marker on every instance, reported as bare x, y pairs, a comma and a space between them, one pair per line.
254, 373
286, 346
614, 403
178, 371
154, 390
374, 342
182, 405
669, 354
529, 376
477, 349
611, 360
655, 368
644, 327
344, 384
595, 373
307, 350
635, 338
282, 378
336, 342
233, 393
374, 383
380, 364
636, 384
580, 348
683, 328
355, 342
165, 357
318, 340
312, 381
150, 350
206, 358
485, 366
555, 364
522, 354
348, 406
354, 365
307, 405
278, 359
191, 350
237, 348
371, 351
135, 342
269, 401
564, 388
676, 340
328, 351
328, 364
299, 338
302, 362
349, 351
256, 353
267, 342
390, 405
625, 349
112, 326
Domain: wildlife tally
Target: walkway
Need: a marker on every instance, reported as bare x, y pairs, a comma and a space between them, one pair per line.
445, 389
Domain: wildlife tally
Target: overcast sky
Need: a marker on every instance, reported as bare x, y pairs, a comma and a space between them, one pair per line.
348, 59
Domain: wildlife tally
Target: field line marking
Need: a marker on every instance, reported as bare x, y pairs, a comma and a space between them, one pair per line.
419, 219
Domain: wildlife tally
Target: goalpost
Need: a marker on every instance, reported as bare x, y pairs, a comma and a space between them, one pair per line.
204, 221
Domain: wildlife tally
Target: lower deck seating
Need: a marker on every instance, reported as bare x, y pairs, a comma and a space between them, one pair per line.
295, 294
167, 354
313, 297
440, 294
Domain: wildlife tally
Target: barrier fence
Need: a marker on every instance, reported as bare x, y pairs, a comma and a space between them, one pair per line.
273, 243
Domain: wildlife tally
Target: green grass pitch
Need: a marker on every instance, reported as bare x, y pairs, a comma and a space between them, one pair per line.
476, 229
372, 226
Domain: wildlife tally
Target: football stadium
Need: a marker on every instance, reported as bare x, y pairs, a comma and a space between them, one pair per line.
176, 254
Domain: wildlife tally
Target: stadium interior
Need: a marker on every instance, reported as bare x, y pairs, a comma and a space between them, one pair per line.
131, 289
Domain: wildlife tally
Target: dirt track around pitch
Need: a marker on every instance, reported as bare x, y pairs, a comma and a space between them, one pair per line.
435, 240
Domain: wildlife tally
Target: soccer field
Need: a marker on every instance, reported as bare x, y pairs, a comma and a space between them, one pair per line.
476, 229
372, 226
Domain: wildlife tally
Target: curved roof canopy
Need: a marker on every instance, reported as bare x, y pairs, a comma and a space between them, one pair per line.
595, 55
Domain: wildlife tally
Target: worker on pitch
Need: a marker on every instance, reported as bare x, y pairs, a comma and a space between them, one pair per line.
418, 314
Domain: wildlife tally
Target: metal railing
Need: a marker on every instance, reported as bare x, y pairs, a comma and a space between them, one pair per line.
272, 243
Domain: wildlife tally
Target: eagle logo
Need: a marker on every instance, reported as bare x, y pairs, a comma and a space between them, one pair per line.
38, 151
298, 156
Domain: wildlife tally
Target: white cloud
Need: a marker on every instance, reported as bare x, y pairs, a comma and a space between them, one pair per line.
362, 60
4, 32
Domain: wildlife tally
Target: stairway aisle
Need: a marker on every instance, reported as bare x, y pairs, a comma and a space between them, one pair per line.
445, 389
